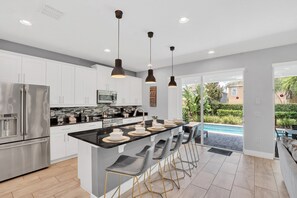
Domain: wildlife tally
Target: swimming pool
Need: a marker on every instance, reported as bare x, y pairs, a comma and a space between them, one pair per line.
225, 129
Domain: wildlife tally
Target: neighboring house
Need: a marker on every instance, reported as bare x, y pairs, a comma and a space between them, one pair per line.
235, 92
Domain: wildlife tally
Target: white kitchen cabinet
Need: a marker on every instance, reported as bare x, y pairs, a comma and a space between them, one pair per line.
60, 78
11, 67
85, 86
53, 79
104, 79
123, 91
129, 91
33, 70
58, 149
64, 146
67, 84
135, 91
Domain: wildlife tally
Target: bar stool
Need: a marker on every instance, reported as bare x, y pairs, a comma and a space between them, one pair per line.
174, 150
193, 142
130, 166
159, 154
187, 140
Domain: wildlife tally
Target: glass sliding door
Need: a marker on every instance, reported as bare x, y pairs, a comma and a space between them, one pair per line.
215, 101
285, 100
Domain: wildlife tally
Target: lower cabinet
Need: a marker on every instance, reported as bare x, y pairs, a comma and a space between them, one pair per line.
63, 146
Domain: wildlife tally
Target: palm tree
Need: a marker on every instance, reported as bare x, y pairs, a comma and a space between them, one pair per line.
289, 85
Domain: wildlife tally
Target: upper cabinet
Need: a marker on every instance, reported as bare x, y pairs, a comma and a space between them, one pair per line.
11, 67
33, 70
104, 79
60, 77
85, 86
129, 89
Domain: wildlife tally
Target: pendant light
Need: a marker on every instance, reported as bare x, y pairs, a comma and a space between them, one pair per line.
172, 82
118, 71
150, 79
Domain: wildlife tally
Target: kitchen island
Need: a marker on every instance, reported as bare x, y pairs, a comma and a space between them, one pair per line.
94, 155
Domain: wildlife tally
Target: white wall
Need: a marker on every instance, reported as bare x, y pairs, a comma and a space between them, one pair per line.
258, 99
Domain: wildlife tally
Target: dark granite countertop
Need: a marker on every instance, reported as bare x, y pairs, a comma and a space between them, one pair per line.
95, 136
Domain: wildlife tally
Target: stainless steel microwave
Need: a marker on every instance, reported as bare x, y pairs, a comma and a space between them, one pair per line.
106, 97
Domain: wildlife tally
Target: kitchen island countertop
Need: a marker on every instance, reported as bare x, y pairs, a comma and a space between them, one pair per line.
95, 137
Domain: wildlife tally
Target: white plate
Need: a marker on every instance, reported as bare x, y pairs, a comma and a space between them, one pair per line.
134, 133
156, 129
108, 140
116, 139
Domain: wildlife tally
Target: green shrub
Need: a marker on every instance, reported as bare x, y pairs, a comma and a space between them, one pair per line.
212, 119
231, 120
231, 106
286, 114
286, 107
285, 122
227, 112
223, 120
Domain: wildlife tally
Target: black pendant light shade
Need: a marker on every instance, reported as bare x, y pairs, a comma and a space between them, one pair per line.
172, 82
118, 71
150, 79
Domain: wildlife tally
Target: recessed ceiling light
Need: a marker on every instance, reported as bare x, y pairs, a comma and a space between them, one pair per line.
107, 50
25, 22
184, 20
211, 52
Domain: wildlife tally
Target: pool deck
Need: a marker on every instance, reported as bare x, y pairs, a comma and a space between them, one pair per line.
231, 142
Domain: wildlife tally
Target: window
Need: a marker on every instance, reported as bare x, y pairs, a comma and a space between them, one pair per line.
233, 91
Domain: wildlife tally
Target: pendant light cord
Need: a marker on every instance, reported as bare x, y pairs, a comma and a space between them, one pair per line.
118, 38
172, 62
150, 53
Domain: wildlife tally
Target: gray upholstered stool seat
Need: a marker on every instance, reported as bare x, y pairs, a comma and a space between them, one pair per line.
156, 155
127, 165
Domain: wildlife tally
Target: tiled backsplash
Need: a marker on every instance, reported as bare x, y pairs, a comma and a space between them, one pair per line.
90, 111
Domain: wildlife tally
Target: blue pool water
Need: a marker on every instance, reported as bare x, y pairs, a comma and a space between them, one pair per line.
226, 129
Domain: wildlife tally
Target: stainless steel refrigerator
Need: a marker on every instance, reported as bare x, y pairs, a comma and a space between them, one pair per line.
24, 129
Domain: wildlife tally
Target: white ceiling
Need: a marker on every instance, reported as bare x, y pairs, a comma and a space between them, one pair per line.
87, 27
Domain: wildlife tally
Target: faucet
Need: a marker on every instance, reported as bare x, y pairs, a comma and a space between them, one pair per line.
135, 112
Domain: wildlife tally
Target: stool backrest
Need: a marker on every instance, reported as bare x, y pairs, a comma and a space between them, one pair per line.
166, 149
191, 135
197, 132
148, 158
179, 141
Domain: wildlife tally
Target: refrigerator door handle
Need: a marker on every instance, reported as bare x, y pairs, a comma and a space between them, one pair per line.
22, 112
19, 144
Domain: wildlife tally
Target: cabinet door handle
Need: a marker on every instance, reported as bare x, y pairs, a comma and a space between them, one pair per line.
19, 78
63, 99
24, 78
64, 137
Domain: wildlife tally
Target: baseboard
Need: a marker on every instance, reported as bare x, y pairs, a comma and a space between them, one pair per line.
63, 159
258, 154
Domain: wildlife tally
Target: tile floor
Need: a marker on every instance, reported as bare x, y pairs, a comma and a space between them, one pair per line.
217, 176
